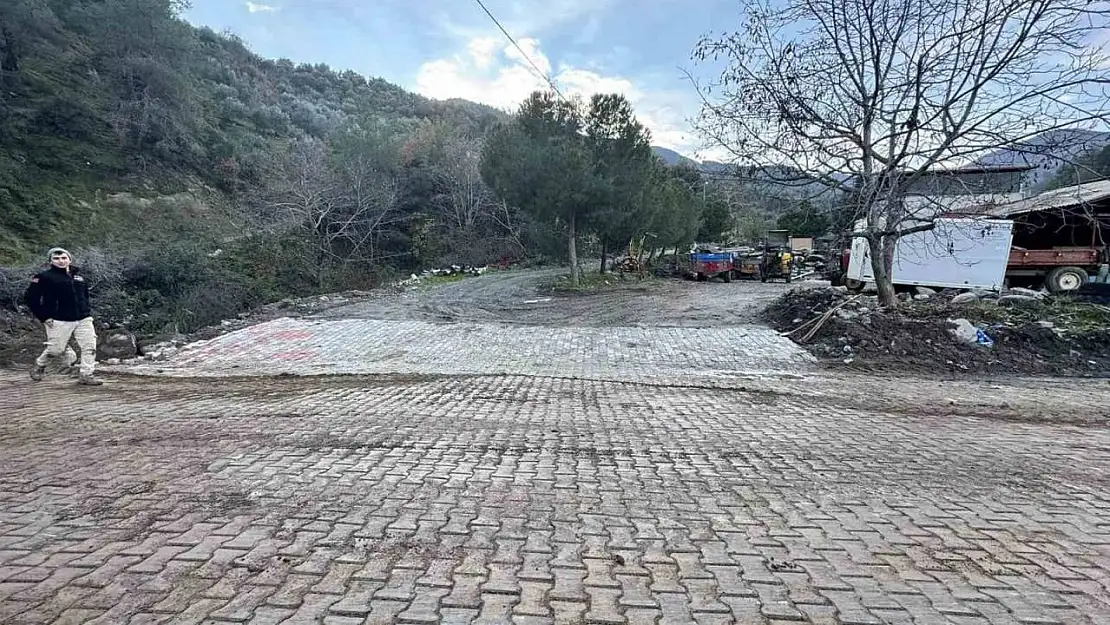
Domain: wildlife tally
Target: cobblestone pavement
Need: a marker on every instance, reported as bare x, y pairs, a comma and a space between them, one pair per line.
514, 499
363, 346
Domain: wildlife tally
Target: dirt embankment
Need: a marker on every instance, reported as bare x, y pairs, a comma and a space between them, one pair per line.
1018, 333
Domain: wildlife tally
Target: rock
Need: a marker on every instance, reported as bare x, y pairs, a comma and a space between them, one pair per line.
164, 353
920, 297
1025, 302
1046, 324
926, 291
964, 330
846, 315
966, 298
117, 344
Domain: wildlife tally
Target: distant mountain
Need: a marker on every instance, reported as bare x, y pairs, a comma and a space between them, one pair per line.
1047, 152
672, 158
768, 180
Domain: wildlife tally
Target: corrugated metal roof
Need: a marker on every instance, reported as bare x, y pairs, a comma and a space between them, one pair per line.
1066, 197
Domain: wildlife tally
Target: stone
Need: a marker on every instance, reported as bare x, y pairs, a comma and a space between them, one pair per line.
118, 344
926, 291
965, 298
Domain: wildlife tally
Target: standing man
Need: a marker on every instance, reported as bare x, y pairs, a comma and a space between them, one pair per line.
59, 298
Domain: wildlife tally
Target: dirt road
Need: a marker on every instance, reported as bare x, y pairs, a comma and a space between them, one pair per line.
525, 297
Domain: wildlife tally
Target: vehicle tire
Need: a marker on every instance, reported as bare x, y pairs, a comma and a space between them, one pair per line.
788, 277
700, 277
854, 286
727, 276
1065, 279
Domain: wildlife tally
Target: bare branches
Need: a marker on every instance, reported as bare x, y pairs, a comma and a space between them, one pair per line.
873, 88
870, 97
341, 210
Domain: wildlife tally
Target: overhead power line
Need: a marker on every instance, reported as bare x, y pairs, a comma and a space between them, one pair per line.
516, 45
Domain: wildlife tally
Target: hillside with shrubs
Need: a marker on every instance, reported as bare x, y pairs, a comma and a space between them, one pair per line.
194, 179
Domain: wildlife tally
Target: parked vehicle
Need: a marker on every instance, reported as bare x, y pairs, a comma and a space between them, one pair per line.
777, 264
1060, 236
708, 265
948, 257
1062, 268
957, 253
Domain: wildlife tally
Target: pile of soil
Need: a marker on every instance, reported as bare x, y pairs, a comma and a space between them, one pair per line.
21, 337
1031, 333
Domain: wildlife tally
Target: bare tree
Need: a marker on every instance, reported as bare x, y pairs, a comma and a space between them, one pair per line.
467, 198
340, 211
367, 207
868, 96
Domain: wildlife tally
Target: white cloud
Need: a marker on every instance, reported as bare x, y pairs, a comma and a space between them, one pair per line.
483, 51
500, 76
260, 8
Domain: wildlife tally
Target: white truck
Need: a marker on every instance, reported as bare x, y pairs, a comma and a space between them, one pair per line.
956, 253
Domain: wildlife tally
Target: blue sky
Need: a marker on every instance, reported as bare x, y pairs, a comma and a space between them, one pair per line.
450, 48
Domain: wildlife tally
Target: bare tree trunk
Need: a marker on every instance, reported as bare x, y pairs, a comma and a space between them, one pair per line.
321, 270
604, 250
572, 251
882, 258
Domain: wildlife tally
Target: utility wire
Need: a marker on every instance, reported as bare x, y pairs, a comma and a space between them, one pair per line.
542, 74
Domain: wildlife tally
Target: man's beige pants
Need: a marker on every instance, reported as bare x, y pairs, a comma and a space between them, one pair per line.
57, 341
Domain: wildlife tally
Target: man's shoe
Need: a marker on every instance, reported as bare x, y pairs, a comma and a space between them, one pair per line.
37, 373
88, 380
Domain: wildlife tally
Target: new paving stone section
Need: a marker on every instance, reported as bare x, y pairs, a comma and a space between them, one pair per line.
513, 499
368, 346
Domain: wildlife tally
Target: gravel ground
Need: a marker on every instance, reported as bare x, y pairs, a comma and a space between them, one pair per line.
526, 298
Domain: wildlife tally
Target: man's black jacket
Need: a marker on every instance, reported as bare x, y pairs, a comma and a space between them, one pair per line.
59, 295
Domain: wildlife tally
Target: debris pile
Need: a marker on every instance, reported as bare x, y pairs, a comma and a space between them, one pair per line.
453, 270
1018, 331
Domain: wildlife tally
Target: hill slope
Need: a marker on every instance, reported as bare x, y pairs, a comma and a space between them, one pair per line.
1048, 152
99, 97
